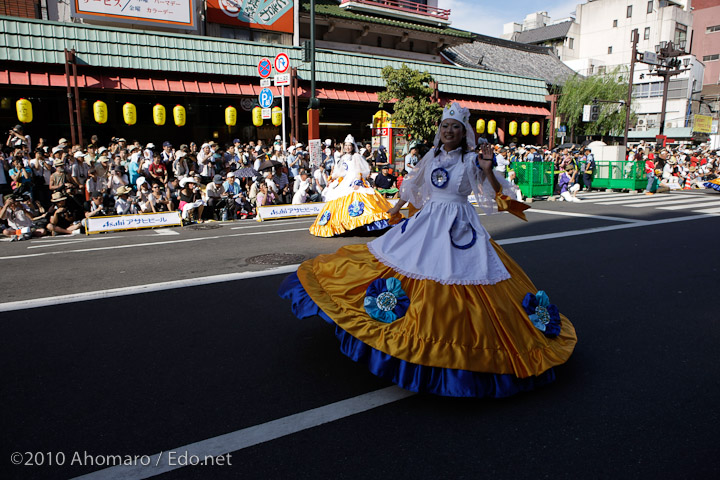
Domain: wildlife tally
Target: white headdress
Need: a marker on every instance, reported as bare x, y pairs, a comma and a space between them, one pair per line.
455, 112
350, 139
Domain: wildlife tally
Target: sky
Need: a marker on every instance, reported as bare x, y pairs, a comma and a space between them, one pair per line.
488, 16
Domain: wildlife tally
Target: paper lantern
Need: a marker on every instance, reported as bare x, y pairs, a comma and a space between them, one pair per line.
277, 116
480, 126
492, 125
129, 113
179, 115
512, 128
24, 110
525, 129
100, 112
257, 116
536, 128
230, 116
159, 114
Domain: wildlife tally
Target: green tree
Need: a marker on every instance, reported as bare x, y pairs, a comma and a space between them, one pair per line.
579, 91
410, 91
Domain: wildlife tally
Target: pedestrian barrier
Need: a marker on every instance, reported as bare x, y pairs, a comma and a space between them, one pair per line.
534, 178
621, 175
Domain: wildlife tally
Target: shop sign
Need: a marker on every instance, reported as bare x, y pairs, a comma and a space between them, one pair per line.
166, 13
271, 15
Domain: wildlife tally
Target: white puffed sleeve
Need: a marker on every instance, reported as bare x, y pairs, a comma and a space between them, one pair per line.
484, 192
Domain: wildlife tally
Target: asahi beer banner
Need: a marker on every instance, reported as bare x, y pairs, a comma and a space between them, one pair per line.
132, 222
270, 212
167, 13
274, 15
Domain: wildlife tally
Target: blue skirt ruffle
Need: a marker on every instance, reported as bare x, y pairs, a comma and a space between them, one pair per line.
416, 378
714, 186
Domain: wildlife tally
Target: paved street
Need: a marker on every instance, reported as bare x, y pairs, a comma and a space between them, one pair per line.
149, 344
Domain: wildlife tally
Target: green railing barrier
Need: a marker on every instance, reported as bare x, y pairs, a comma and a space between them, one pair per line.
621, 175
534, 178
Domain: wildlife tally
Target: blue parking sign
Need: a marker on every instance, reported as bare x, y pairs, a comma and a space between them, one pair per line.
265, 99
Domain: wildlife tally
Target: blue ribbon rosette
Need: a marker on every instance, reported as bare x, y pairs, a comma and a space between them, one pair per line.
324, 218
356, 208
385, 300
544, 315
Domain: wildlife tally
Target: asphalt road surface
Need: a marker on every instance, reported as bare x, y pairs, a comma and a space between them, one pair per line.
161, 348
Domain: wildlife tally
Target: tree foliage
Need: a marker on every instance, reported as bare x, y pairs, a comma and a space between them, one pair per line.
410, 91
579, 91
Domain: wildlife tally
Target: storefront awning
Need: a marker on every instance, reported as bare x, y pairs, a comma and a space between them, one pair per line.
151, 84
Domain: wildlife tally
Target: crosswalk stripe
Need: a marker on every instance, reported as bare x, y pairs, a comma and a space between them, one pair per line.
696, 205
617, 198
638, 198
709, 210
649, 203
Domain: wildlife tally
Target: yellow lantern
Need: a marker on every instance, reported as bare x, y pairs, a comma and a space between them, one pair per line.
525, 129
480, 126
159, 114
277, 116
100, 112
24, 110
536, 128
129, 113
230, 116
257, 116
512, 128
179, 115
492, 125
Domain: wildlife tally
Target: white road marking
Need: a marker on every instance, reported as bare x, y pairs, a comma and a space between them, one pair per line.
618, 197
138, 289
701, 204
709, 210
149, 244
636, 199
263, 224
667, 202
584, 215
163, 231
251, 436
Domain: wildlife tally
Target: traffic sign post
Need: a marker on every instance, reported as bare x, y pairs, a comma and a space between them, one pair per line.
265, 82
282, 80
264, 68
265, 98
282, 62
266, 113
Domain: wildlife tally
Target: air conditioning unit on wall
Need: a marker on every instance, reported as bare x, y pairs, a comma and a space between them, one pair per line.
641, 124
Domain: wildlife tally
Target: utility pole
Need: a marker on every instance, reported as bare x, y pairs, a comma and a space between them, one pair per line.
668, 66
633, 58
313, 104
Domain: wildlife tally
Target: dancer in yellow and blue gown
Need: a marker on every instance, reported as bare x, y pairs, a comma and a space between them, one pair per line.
351, 204
435, 305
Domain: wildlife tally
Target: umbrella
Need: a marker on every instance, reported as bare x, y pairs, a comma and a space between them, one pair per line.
568, 145
597, 143
268, 164
246, 172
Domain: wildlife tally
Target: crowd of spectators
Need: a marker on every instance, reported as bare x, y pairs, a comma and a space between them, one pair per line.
48, 189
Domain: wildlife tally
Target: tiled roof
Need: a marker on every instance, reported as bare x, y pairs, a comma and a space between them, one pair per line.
497, 55
331, 8
38, 41
549, 32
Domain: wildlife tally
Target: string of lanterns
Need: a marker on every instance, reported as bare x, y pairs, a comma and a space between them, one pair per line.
129, 113
525, 127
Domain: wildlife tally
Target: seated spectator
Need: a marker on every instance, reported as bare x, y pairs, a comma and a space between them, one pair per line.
95, 207
95, 184
264, 195
117, 179
157, 172
385, 182
142, 198
191, 202
215, 197
304, 189
124, 204
20, 176
159, 201
18, 215
567, 186
62, 219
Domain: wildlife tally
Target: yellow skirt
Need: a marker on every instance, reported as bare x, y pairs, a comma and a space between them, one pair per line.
476, 328
353, 211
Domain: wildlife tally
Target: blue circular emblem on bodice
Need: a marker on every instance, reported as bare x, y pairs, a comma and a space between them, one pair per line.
439, 177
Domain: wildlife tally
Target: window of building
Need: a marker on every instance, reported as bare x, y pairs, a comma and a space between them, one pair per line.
571, 42
614, 23
680, 33
713, 29
236, 33
650, 7
609, 49
646, 34
629, 11
710, 58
